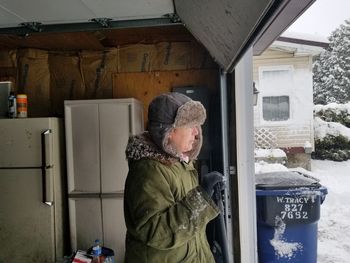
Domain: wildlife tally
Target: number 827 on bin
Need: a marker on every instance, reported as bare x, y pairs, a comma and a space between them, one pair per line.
294, 211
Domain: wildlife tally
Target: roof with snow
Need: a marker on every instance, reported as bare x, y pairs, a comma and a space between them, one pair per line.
300, 44
303, 38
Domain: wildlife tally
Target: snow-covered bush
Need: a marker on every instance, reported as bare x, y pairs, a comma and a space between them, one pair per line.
334, 112
332, 132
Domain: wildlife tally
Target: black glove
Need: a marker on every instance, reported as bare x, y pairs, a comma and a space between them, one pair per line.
209, 180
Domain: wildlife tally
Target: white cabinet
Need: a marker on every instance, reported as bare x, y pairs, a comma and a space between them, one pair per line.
97, 133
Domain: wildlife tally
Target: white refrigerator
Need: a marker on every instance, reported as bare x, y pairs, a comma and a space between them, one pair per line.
97, 133
33, 224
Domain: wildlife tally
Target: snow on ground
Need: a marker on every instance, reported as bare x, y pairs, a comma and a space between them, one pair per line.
334, 223
269, 153
264, 167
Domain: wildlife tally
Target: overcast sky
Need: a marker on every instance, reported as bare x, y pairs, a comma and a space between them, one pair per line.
322, 17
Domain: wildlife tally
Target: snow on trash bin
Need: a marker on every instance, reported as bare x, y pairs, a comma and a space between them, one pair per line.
288, 209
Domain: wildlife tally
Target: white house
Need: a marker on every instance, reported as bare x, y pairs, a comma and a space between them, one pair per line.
283, 116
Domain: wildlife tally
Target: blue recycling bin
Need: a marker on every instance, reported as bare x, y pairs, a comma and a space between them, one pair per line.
288, 210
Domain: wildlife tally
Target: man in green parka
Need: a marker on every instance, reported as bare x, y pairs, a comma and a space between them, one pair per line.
166, 210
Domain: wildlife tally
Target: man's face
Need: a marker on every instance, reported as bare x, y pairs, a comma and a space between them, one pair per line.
182, 138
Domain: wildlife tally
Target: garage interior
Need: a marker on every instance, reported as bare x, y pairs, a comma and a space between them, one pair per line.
56, 55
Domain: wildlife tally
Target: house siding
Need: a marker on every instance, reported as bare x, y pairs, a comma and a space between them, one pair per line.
298, 130
287, 137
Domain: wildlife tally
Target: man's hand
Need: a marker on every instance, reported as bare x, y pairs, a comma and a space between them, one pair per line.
209, 180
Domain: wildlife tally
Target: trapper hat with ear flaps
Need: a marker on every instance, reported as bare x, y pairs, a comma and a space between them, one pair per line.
172, 110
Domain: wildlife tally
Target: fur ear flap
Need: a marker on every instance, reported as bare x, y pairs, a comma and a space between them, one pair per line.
192, 113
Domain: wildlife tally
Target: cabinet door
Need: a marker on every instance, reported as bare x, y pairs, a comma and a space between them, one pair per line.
114, 226
85, 221
83, 148
115, 129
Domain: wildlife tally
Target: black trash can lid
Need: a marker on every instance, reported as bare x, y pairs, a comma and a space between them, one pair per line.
285, 180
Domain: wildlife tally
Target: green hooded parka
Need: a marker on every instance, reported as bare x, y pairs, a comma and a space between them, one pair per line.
166, 211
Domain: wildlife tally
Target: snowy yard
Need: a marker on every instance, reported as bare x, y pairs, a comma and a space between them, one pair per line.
334, 224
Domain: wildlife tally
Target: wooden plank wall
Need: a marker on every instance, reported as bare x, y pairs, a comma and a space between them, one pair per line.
144, 86
138, 70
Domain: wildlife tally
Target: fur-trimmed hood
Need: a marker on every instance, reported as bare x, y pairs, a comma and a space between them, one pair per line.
141, 146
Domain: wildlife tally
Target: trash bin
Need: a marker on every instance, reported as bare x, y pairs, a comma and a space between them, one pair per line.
288, 209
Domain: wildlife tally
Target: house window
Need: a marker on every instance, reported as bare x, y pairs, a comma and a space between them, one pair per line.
276, 108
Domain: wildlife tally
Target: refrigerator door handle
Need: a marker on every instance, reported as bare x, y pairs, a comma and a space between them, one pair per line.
48, 187
46, 168
46, 148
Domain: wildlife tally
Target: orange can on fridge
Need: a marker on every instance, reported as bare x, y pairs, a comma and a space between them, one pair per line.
22, 106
